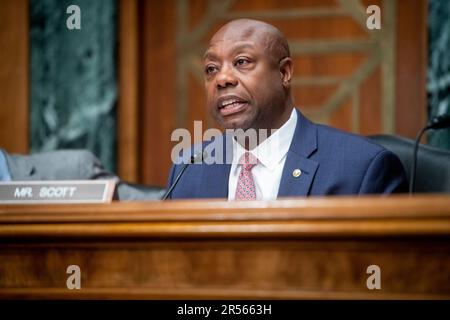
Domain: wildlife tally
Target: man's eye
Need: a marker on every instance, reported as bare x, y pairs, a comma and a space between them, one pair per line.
241, 62
210, 69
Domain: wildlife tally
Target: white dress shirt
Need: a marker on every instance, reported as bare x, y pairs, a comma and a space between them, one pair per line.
271, 154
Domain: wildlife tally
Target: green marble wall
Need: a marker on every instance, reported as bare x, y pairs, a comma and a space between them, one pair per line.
438, 86
73, 78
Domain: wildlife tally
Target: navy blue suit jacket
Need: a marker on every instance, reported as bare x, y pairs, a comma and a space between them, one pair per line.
332, 162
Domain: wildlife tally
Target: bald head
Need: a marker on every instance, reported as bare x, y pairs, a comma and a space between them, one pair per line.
248, 70
269, 37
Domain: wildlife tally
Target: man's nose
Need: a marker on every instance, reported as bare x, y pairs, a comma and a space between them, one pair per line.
226, 78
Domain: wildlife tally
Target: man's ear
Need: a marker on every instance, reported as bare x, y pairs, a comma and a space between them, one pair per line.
286, 71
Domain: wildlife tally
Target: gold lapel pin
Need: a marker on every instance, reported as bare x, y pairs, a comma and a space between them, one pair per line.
296, 173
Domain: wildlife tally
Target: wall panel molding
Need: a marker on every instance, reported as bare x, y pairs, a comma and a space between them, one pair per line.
14, 76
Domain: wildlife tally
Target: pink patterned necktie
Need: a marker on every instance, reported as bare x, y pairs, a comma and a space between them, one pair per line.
246, 186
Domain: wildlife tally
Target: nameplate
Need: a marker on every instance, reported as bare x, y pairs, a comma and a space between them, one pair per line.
63, 191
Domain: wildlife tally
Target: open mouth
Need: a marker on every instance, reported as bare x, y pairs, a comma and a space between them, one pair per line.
231, 105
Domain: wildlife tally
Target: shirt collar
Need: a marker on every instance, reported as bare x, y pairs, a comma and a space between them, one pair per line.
272, 150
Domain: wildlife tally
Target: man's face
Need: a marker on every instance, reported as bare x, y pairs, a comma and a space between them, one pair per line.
243, 81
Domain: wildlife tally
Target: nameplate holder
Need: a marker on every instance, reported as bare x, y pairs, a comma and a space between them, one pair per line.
61, 191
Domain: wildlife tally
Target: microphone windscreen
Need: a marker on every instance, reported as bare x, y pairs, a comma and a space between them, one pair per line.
199, 156
440, 122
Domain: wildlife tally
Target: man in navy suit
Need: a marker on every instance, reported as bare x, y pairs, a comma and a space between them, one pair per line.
248, 72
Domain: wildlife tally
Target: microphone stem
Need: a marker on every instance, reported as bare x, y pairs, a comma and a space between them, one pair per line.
168, 192
193, 159
412, 179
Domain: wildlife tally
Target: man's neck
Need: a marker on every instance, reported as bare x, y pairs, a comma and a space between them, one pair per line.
251, 138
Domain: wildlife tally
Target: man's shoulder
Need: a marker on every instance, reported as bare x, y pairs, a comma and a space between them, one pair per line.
57, 164
333, 138
353, 164
66, 155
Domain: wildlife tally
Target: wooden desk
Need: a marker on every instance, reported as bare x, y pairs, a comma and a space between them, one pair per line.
302, 248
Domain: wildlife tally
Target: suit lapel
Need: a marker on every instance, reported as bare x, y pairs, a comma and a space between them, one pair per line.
291, 185
214, 182
303, 145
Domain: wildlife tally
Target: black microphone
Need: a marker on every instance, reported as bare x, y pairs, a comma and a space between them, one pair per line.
439, 122
196, 157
